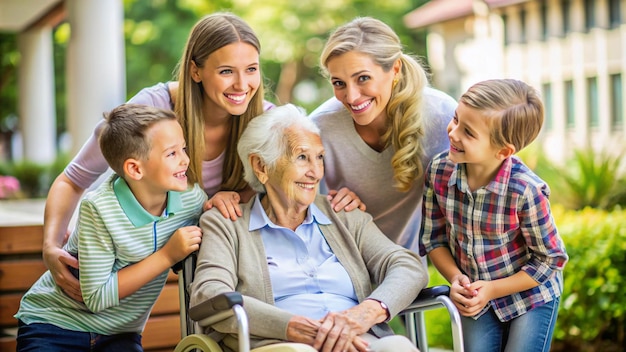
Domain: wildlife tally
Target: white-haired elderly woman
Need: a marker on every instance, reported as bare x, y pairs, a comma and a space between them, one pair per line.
312, 279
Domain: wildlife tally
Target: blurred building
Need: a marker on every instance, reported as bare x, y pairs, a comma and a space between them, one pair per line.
573, 51
96, 75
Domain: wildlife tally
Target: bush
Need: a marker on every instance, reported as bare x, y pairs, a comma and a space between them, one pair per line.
35, 179
592, 313
588, 178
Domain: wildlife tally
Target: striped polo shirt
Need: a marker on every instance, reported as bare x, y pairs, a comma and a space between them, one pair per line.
113, 231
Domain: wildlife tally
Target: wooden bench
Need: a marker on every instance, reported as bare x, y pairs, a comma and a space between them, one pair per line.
21, 265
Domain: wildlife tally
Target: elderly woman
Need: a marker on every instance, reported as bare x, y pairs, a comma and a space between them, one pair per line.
312, 279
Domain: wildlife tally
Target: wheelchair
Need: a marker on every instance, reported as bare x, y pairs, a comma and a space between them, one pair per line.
195, 319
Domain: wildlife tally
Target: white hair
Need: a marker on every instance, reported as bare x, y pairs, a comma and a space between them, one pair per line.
267, 137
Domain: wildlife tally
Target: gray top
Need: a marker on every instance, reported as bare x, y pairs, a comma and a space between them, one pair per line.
350, 162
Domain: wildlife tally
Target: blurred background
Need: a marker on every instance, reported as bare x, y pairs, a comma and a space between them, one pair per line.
64, 62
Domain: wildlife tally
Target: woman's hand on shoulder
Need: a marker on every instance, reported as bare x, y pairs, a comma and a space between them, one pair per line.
227, 202
345, 199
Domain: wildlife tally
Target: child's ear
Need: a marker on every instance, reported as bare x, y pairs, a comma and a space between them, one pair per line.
259, 167
132, 169
506, 151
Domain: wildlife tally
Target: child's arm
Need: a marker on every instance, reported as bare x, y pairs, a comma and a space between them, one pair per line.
101, 285
541, 236
445, 264
460, 294
183, 242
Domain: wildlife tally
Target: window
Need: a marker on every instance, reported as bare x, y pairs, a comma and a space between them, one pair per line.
565, 6
569, 105
547, 105
615, 16
592, 102
522, 23
505, 23
617, 108
544, 21
590, 14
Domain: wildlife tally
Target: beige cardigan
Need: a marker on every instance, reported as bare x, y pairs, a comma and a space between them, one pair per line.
233, 259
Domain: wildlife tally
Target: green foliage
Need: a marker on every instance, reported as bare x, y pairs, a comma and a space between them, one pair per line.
438, 328
35, 179
588, 178
9, 59
292, 34
592, 314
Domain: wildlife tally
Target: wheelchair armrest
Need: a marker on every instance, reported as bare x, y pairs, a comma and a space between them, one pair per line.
429, 298
219, 303
434, 291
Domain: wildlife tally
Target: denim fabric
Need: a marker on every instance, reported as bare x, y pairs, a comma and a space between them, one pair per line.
530, 332
50, 338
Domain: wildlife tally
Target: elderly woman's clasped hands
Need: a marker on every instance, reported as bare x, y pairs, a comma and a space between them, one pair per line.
338, 331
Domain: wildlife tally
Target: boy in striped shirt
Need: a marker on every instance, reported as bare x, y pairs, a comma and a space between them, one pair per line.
130, 231
487, 225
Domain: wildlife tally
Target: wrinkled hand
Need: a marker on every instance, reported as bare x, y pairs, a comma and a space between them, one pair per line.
340, 332
227, 203
302, 329
345, 199
183, 242
57, 260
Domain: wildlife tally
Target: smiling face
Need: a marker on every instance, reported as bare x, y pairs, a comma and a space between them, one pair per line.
470, 138
294, 182
166, 166
230, 77
362, 86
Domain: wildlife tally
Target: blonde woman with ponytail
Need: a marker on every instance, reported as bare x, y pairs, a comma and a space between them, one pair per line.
382, 127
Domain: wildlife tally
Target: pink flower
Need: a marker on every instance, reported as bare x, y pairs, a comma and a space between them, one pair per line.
9, 186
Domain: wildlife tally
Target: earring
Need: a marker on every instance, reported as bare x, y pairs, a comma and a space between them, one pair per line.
395, 83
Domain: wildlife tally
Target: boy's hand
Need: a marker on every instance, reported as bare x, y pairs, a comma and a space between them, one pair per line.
183, 242
227, 203
469, 298
461, 293
482, 294
344, 199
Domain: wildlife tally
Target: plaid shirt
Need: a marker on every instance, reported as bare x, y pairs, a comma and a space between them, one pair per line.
495, 231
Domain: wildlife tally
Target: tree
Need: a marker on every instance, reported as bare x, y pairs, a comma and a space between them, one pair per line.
292, 35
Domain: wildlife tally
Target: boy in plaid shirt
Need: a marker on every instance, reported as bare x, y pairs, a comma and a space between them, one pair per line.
487, 225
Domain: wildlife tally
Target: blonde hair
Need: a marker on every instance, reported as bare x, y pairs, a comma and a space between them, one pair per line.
513, 108
404, 111
209, 34
124, 133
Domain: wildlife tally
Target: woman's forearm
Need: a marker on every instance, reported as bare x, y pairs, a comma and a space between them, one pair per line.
61, 202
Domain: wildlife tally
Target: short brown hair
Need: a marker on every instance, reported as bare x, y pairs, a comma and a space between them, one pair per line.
123, 134
514, 110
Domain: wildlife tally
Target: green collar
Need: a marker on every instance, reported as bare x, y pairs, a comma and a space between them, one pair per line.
135, 212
